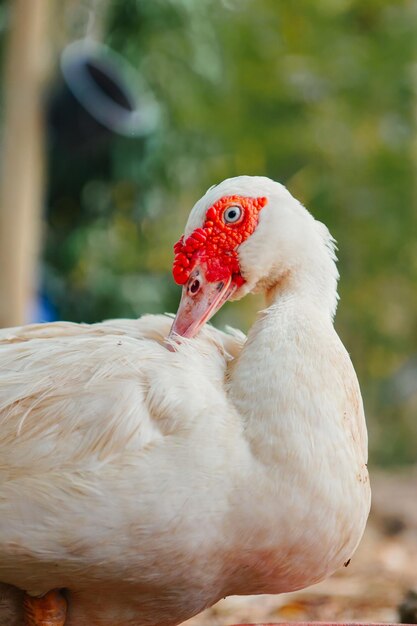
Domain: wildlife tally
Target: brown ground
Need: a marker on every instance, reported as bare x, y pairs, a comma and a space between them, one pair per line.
371, 589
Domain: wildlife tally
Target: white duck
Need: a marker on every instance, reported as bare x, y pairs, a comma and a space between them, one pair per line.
149, 483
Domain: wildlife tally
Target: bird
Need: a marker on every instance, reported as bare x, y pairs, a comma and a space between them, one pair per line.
150, 467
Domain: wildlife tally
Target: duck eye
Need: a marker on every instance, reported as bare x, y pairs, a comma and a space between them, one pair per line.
232, 214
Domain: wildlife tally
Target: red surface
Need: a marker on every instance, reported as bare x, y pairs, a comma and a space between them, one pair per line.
217, 241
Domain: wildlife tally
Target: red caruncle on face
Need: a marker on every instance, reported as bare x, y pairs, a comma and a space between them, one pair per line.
217, 241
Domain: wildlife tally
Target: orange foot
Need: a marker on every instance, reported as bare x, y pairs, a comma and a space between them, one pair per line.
49, 610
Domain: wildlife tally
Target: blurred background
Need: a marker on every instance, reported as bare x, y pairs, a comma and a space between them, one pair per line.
108, 142
117, 115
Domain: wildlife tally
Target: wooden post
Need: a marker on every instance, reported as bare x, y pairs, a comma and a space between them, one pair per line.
21, 179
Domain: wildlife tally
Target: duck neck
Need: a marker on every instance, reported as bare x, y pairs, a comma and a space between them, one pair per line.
275, 381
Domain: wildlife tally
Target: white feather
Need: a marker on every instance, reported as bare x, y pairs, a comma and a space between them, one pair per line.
151, 483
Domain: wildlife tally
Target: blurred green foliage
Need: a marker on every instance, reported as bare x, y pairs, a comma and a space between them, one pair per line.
318, 94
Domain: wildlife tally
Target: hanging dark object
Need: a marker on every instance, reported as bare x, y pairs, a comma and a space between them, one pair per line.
95, 99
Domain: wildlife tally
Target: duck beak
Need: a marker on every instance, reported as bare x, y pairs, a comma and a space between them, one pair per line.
200, 300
